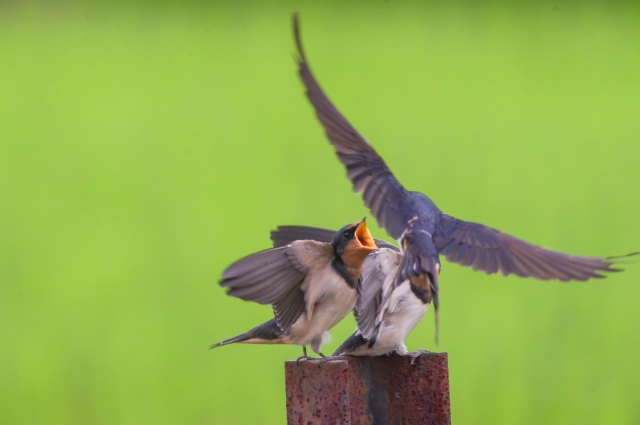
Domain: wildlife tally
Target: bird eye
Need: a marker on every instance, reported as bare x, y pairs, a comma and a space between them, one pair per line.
347, 234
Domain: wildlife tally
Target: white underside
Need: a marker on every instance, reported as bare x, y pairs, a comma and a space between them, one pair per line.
334, 301
403, 314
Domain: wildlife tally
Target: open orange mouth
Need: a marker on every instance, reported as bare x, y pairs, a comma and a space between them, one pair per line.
364, 236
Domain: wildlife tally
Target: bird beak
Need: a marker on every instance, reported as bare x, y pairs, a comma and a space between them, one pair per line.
364, 236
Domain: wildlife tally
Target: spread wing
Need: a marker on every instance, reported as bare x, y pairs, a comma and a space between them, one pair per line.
275, 277
284, 235
383, 194
376, 284
490, 250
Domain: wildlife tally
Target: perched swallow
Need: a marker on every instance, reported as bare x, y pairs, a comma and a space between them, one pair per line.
311, 286
382, 326
422, 230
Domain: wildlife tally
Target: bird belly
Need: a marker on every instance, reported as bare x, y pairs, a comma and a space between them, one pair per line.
332, 304
397, 324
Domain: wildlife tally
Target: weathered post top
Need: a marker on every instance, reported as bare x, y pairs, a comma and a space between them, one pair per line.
369, 390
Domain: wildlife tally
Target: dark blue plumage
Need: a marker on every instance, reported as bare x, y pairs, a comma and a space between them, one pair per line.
423, 231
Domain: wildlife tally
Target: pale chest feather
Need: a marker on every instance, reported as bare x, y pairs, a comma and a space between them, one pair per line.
403, 314
325, 287
329, 299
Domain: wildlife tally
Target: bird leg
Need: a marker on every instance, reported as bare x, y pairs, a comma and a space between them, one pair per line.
304, 355
322, 359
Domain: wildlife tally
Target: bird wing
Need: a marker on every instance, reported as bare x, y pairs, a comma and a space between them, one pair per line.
490, 250
317, 258
383, 194
275, 277
284, 235
374, 289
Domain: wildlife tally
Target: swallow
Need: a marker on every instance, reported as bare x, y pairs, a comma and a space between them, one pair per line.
382, 326
311, 286
422, 230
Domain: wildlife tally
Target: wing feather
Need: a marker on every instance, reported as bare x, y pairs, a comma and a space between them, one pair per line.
275, 277
284, 235
365, 168
494, 251
376, 284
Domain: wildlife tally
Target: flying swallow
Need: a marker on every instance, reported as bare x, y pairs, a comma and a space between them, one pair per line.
385, 313
311, 285
422, 230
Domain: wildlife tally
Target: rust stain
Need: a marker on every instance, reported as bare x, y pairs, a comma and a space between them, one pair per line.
317, 395
384, 390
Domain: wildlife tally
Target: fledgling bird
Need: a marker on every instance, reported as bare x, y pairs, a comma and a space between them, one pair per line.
311, 285
382, 326
422, 230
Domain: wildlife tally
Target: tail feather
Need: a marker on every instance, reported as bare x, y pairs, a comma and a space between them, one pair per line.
267, 332
238, 338
354, 342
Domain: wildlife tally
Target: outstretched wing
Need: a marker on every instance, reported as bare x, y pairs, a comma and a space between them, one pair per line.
284, 235
490, 250
383, 194
263, 277
376, 285
274, 277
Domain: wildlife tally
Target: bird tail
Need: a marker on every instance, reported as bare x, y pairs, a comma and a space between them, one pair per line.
421, 258
238, 338
266, 333
352, 343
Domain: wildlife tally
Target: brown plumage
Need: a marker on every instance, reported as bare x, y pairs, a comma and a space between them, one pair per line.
311, 285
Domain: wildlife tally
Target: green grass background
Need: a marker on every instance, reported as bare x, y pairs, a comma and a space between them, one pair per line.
145, 146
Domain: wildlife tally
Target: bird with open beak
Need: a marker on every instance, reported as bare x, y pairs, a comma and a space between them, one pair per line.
422, 230
385, 313
311, 285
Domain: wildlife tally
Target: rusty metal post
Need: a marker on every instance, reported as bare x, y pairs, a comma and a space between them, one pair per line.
369, 391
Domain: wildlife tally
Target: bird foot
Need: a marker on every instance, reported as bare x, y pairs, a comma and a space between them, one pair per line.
305, 357
414, 356
325, 359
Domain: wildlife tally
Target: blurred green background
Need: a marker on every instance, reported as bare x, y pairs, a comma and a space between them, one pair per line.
145, 146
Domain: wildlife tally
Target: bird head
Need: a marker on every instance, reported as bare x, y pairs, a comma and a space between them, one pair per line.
353, 243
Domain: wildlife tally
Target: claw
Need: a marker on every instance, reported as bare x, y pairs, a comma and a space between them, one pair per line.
305, 357
414, 356
324, 359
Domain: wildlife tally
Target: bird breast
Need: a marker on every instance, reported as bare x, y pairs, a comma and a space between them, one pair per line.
403, 314
329, 299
